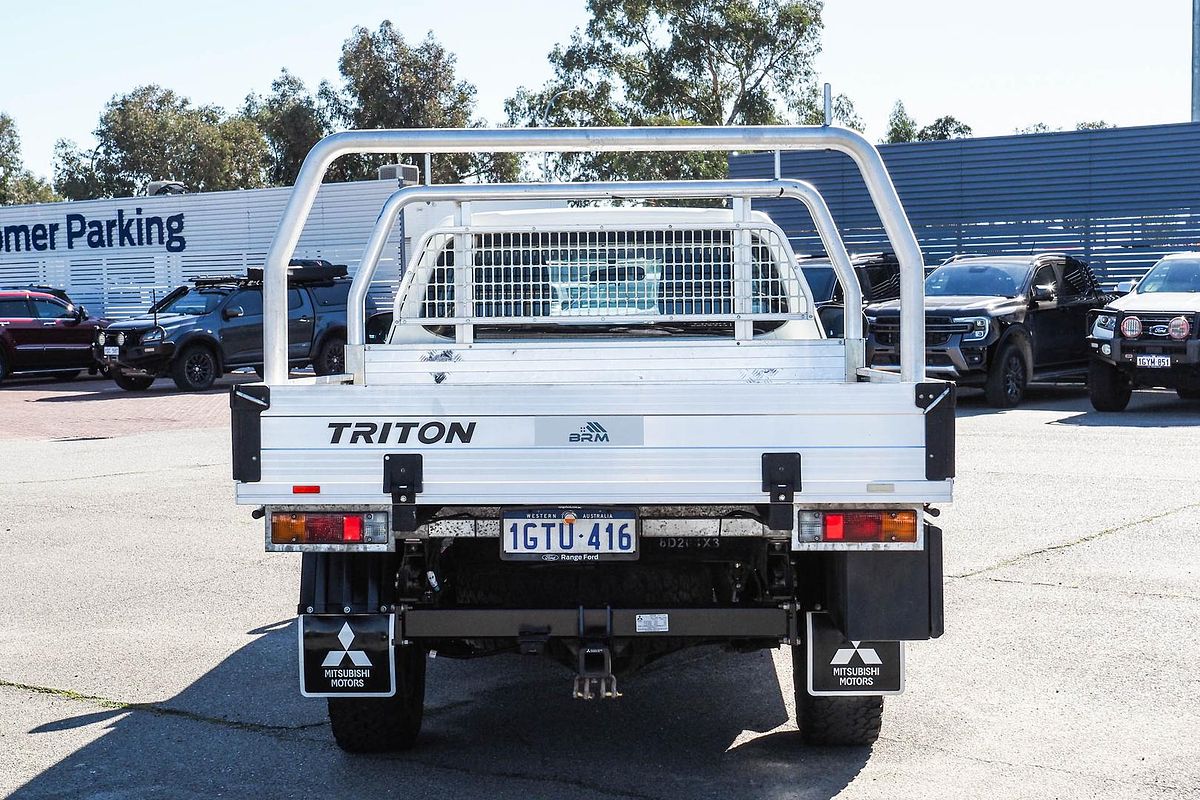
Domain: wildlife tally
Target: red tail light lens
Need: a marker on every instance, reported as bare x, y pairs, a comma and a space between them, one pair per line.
857, 526
336, 527
863, 526
1131, 327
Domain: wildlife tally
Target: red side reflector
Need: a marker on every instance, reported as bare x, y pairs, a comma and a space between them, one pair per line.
834, 528
306, 490
352, 528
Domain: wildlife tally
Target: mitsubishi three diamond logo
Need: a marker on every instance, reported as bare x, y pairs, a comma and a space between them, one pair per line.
337, 657
845, 655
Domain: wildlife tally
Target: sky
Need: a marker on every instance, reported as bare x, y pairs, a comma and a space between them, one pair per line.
995, 66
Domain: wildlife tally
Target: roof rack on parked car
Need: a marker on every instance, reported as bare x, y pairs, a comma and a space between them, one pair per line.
300, 270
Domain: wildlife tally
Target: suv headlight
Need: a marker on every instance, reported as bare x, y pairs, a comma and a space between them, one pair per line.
153, 336
980, 328
1104, 326
100, 336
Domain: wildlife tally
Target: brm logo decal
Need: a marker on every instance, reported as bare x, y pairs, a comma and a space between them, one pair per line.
433, 432
592, 432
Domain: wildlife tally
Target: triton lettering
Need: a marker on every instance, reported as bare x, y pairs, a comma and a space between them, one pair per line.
401, 432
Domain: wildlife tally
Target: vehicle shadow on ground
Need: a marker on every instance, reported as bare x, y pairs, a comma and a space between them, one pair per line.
1041, 397
501, 727
1147, 408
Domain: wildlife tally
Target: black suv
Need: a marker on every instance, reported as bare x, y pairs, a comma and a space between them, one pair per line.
878, 276
998, 322
199, 332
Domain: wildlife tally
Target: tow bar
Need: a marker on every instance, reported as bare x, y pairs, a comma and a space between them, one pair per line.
595, 678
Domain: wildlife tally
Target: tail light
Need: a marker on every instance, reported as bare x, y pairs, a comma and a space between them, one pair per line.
1179, 328
857, 526
1131, 327
329, 527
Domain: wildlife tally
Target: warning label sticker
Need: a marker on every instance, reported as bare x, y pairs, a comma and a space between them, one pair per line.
838, 666
347, 656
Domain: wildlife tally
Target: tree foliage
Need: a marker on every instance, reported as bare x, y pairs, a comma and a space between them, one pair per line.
901, 127
152, 134
1094, 125
388, 83
680, 62
292, 122
944, 128
17, 184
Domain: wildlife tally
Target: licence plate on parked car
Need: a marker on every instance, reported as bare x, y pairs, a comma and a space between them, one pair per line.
568, 534
112, 352
1154, 361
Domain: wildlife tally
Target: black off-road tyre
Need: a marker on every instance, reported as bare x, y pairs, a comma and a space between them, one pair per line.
383, 724
3, 367
1007, 378
1188, 394
67, 376
132, 383
331, 359
195, 369
1108, 388
842, 721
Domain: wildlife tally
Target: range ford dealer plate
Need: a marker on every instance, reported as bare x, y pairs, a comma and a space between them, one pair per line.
1153, 361
837, 666
568, 534
347, 655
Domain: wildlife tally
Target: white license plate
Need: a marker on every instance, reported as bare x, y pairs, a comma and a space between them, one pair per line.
112, 352
1154, 361
568, 534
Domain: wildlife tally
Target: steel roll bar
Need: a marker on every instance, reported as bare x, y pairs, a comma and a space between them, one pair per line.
798, 190
641, 139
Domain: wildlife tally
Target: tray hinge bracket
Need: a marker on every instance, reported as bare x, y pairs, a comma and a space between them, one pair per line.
781, 480
403, 480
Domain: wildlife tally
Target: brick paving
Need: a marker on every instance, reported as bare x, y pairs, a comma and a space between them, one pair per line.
32, 408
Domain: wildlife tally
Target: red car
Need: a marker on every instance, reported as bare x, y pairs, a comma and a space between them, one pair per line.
41, 330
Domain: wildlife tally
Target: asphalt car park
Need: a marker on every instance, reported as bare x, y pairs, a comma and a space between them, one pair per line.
147, 644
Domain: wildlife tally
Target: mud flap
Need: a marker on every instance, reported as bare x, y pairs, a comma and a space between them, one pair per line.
351, 655
839, 667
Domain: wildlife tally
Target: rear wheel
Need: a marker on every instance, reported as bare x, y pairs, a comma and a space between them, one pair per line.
382, 724
1108, 387
331, 359
133, 383
833, 720
1008, 377
3, 367
195, 369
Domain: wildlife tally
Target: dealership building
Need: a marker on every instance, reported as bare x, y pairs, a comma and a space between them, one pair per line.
116, 255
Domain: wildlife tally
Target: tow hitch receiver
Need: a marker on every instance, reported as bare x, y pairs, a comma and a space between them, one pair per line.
595, 678
349, 655
837, 666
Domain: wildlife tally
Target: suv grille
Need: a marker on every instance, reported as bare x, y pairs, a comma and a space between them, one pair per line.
938, 330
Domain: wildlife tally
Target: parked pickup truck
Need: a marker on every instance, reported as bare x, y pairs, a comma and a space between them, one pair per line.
999, 322
601, 435
1149, 337
214, 325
